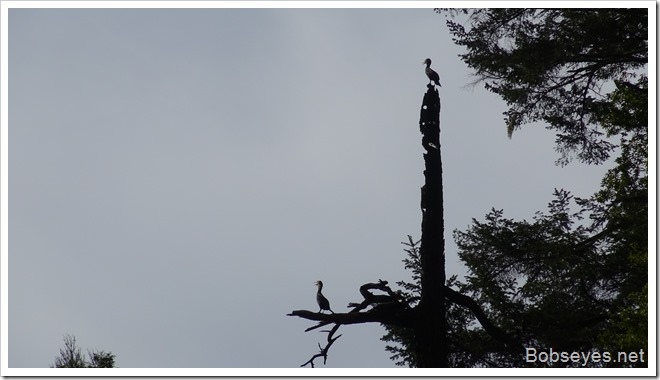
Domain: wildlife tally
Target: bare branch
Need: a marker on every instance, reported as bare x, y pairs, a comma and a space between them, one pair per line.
323, 351
390, 309
488, 326
386, 315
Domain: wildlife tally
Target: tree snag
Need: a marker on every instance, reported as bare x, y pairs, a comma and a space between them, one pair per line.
428, 317
431, 325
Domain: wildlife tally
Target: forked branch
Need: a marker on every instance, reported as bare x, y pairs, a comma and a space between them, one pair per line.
389, 308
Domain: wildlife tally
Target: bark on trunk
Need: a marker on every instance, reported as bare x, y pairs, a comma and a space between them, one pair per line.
431, 324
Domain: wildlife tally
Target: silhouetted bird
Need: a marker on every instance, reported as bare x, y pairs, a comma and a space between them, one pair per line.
433, 76
323, 302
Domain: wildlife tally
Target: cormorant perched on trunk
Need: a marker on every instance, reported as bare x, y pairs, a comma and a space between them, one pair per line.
433, 76
323, 302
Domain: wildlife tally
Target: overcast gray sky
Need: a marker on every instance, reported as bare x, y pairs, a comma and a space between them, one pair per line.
179, 178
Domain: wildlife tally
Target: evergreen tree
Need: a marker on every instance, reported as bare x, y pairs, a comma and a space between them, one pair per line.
558, 66
573, 279
72, 357
567, 280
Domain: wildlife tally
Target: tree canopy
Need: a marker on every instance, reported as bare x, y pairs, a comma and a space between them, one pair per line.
72, 357
561, 67
573, 278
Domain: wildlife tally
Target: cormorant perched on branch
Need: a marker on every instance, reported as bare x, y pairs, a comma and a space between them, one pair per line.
323, 302
433, 76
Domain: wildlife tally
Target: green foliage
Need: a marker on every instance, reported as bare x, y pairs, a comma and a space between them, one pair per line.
101, 359
557, 66
573, 278
403, 353
629, 328
71, 357
574, 281
559, 281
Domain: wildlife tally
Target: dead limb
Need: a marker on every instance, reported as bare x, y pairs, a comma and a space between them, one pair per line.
389, 308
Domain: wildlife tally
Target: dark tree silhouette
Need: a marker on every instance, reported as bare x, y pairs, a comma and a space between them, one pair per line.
430, 326
570, 280
575, 277
422, 318
72, 357
554, 65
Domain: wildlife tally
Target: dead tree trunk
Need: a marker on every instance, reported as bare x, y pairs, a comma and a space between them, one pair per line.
428, 318
431, 328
